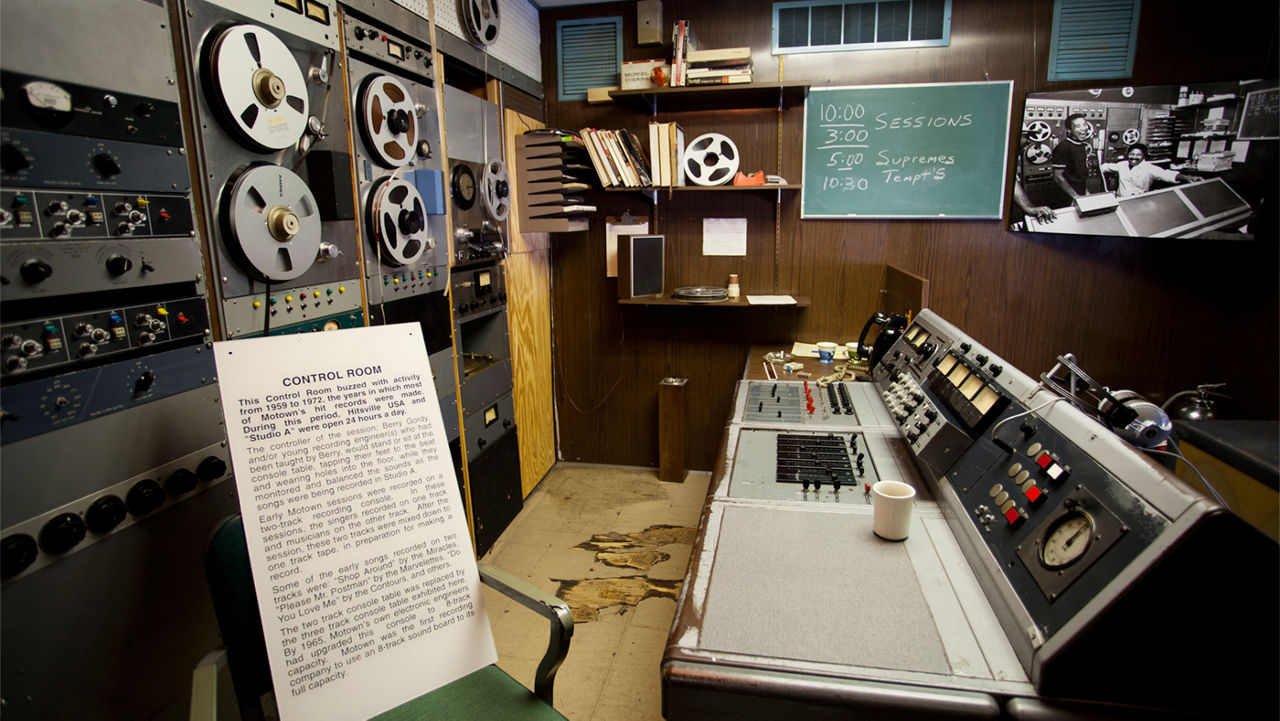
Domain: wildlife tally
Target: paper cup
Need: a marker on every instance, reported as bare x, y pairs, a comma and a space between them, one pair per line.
892, 509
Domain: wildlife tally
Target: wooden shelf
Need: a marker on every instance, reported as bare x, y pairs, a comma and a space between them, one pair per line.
714, 97
739, 302
704, 188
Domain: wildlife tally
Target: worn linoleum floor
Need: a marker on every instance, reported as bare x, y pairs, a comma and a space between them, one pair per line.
611, 672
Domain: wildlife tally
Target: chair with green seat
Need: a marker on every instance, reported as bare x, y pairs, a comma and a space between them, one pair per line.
483, 695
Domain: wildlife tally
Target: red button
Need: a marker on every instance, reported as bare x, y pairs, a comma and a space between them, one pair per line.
1034, 494
1043, 460
1013, 517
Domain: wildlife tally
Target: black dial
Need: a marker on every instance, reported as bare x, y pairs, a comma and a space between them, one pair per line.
105, 514
181, 481
62, 533
16, 553
145, 497
463, 185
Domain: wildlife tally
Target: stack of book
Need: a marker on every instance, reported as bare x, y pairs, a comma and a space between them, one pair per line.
718, 66
683, 41
618, 157
666, 153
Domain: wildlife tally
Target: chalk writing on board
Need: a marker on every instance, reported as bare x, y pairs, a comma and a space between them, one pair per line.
906, 151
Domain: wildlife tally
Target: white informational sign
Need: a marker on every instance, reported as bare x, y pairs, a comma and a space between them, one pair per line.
724, 236
361, 557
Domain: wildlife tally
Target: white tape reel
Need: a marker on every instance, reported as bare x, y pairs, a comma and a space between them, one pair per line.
711, 159
260, 87
481, 17
1038, 131
388, 121
496, 190
273, 222
1130, 136
399, 221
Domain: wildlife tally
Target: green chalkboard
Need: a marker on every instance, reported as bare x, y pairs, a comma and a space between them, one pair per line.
906, 151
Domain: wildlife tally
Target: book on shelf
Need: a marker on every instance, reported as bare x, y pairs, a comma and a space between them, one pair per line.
718, 72
677, 155
717, 54
684, 41
655, 152
619, 158
719, 80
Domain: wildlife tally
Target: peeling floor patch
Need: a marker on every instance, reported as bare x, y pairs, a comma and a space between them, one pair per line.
586, 597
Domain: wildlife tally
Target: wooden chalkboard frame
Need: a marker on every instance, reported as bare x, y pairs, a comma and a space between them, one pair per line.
981, 186
1259, 119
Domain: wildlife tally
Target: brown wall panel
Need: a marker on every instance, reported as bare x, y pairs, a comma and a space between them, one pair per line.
1157, 316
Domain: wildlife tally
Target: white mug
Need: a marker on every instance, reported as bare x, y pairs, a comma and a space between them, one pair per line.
892, 503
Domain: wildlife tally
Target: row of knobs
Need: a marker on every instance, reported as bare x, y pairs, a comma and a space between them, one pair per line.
903, 401
66, 530
35, 270
474, 303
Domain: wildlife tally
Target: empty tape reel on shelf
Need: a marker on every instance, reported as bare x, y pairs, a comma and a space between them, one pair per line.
482, 20
388, 120
257, 86
496, 190
711, 159
398, 219
270, 220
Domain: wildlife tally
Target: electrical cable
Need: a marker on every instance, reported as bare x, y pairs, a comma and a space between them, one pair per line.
266, 310
1003, 421
1205, 481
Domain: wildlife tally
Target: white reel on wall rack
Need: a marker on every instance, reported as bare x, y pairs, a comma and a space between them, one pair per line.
711, 159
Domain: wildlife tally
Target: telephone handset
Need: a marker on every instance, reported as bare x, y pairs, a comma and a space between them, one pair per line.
893, 324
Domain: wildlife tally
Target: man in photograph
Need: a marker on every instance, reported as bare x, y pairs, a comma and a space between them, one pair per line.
1135, 173
1075, 162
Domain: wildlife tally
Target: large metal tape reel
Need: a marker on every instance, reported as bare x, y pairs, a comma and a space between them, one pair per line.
496, 190
388, 122
259, 87
271, 221
711, 159
482, 21
399, 221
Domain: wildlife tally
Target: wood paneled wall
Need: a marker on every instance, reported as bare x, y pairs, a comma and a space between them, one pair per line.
1155, 316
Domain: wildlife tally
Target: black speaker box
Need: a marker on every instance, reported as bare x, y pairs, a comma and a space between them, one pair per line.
640, 261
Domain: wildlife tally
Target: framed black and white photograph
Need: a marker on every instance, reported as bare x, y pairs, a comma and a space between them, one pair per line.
1162, 161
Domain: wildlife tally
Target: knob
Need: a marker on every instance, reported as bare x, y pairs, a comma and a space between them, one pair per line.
121, 208
13, 160
99, 335
398, 121
137, 217
410, 221
35, 271
359, 33
180, 482
145, 497
15, 363
105, 514
55, 207
328, 251
75, 217
211, 468
424, 149
29, 348
106, 165
145, 109
996, 370
61, 533
17, 552
481, 443
981, 358
119, 265
144, 382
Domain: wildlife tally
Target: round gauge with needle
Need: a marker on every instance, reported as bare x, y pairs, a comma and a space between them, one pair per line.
1067, 540
463, 187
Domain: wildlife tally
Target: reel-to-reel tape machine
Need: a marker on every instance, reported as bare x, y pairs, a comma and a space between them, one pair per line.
399, 165
479, 188
265, 90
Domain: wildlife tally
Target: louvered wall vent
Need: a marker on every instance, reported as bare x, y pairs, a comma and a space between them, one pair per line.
590, 55
1093, 39
821, 26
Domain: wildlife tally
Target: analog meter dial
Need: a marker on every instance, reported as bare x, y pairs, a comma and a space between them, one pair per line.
1067, 540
